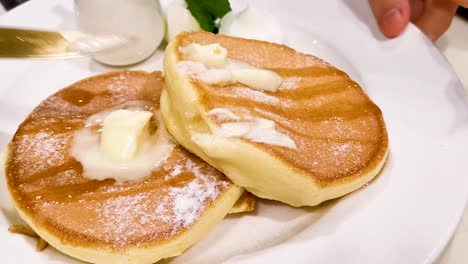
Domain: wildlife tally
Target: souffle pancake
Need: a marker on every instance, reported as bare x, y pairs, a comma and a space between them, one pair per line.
284, 125
165, 200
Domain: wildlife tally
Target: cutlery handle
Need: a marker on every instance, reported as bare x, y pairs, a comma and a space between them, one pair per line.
20, 43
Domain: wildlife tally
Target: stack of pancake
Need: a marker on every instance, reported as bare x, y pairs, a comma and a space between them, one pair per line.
338, 134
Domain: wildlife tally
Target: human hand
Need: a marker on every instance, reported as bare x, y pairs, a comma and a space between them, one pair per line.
432, 17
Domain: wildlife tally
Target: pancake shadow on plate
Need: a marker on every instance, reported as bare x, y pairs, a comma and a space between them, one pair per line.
273, 223
328, 221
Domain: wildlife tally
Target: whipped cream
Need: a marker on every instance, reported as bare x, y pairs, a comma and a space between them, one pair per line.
179, 19
252, 23
140, 22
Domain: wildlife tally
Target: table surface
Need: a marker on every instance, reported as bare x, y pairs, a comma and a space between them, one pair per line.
454, 46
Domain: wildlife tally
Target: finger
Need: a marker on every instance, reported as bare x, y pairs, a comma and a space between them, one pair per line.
416, 7
392, 15
436, 18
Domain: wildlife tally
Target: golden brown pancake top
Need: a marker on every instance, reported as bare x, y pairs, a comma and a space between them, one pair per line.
48, 185
339, 132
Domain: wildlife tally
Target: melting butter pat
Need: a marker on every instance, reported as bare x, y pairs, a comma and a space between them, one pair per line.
255, 78
152, 149
216, 76
213, 55
222, 114
261, 130
123, 133
259, 79
210, 64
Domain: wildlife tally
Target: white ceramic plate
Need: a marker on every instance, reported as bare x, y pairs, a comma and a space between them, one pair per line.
407, 215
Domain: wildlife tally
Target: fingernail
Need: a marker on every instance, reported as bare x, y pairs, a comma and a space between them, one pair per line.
391, 22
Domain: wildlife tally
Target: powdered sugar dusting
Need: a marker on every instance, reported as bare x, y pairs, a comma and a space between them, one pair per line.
170, 207
175, 172
346, 154
117, 87
257, 96
56, 106
119, 83
62, 178
123, 217
314, 61
122, 76
187, 203
40, 151
341, 149
290, 83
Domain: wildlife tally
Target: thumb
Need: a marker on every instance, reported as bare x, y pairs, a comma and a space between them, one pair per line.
392, 15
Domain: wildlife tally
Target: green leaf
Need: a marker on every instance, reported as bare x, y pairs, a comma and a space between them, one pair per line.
206, 12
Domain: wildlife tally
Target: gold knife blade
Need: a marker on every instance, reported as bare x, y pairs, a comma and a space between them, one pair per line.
25, 43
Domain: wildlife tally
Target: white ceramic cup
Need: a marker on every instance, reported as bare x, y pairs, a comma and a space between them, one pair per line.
139, 20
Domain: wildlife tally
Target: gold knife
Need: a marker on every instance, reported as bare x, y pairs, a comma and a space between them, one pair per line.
25, 43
